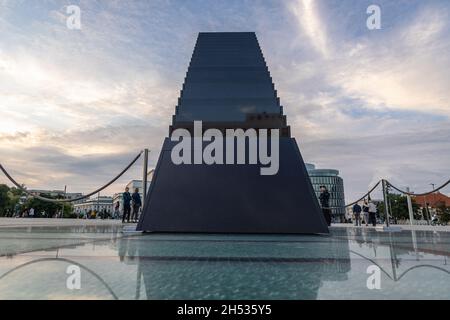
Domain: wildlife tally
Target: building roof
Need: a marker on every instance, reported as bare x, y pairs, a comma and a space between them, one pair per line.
435, 199
324, 172
312, 171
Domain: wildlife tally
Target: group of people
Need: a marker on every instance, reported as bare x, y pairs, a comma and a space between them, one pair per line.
130, 201
32, 213
369, 212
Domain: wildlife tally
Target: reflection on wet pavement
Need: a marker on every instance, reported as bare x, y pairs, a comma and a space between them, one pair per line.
113, 265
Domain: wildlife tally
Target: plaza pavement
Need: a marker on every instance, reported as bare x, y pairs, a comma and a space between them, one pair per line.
403, 226
44, 222
49, 222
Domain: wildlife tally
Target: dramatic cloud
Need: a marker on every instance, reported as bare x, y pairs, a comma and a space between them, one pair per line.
311, 25
77, 105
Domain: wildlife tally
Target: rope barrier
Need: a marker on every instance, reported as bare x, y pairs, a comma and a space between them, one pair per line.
419, 194
394, 187
140, 153
351, 204
367, 194
75, 199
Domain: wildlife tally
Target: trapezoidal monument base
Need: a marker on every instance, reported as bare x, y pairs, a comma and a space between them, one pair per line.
232, 198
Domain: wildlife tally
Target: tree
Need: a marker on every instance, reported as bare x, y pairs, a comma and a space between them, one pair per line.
48, 208
14, 195
10, 199
4, 199
399, 207
444, 213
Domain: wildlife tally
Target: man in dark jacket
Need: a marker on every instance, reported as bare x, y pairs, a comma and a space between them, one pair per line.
325, 203
126, 205
357, 212
136, 204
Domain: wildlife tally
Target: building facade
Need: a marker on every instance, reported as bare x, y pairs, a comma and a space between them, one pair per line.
73, 195
98, 204
58, 193
334, 183
433, 200
429, 204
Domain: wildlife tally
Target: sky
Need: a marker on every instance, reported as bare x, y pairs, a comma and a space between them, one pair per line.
77, 105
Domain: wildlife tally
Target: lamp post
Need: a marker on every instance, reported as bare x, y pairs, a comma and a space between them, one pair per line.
410, 208
386, 202
62, 208
144, 178
434, 200
426, 208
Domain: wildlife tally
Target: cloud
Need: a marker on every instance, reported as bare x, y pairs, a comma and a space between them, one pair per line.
411, 158
384, 70
17, 136
373, 104
84, 159
313, 28
47, 167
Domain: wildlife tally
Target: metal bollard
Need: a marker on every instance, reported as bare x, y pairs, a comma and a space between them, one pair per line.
410, 208
144, 178
386, 204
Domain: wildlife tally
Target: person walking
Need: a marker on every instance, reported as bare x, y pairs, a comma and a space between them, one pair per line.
372, 213
365, 210
31, 213
325, 203
126, 205
357, 212
137, 203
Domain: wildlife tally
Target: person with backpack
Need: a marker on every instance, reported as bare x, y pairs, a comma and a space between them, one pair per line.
325, 204
357, 212
137, 203
126, 205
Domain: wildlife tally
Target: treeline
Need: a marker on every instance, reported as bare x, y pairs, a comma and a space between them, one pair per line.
399, 209
13, 203
9, 200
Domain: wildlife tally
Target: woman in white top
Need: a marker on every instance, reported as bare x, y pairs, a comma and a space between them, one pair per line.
372, 213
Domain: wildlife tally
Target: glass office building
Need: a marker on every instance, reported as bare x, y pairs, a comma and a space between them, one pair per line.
335, 185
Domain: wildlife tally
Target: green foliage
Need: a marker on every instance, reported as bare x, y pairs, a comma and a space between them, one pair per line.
10, 203
47, 209
9, 199
399, 207
68, 211
4, 199
444, 214
14, 195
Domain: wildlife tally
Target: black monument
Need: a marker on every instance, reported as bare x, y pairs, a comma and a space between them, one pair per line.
228, 86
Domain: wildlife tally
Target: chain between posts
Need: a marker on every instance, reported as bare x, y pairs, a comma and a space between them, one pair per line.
388, 184
75, 199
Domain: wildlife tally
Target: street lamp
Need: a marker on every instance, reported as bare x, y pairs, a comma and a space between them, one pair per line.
434, 200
